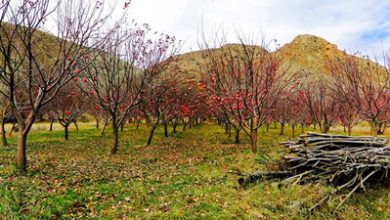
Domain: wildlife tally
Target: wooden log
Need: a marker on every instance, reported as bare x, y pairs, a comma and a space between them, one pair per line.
310, 134
253, 177
348, 162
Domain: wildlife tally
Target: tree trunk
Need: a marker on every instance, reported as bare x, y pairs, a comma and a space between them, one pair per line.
282, 128
267, 127
138, 124
104, 128
253, 138
122, 126
115, 144
21, 157
228, 130
382, 128
175, 123
237, 136
184, 125
3, 133
151, 135
66, 132
12, 129
165, 129
375, 128
293, 131
325, 128
349, 130
75, 124
51, 124
321, 127
174, 126
302, 128
97, 123
275, 125
40, 118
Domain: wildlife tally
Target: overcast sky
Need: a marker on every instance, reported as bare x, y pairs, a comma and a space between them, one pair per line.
353, 25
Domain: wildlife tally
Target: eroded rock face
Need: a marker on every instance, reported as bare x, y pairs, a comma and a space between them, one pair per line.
310, 53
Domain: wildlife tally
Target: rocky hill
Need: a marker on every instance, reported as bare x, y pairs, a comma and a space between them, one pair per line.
305, 52
310, 53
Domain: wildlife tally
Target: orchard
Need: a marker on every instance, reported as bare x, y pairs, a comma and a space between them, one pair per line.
101, 73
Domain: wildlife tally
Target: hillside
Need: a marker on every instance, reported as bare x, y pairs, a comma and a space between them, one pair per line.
310, 53
190, 64
46, 45
305, 52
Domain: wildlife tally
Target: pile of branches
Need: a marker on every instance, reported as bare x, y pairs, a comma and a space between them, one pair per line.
347, 162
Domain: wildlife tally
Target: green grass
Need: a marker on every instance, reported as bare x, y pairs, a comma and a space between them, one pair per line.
184, 176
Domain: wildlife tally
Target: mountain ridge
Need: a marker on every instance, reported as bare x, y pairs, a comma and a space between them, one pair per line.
305, 52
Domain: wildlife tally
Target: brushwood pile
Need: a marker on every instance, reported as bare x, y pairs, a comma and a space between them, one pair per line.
349, 163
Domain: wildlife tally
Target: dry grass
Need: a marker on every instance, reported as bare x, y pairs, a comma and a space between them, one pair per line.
183, 176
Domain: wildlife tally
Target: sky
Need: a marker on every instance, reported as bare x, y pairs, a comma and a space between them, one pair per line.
354, 25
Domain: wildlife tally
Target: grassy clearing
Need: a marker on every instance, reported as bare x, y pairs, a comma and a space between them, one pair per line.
183, 176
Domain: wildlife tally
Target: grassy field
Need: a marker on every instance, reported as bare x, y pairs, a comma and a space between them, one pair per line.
184, 176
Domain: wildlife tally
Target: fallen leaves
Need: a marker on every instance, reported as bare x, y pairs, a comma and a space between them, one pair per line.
175, 178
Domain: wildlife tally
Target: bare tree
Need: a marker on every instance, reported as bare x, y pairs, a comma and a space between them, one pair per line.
319, 100
5, 114
68, 106
365, 88
291, 108
159, 100
347, 116
37, 65
117, 78
245, 80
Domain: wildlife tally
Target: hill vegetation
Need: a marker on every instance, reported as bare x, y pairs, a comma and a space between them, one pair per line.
307, 53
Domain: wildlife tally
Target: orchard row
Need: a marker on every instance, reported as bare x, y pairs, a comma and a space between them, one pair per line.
120, 71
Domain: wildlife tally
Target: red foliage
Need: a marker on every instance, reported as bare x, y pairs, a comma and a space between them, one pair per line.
77, 71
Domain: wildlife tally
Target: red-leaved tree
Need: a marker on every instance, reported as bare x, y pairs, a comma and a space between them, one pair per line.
68, 106
119, 77
319, 101
244, 81
365, 88
35, 66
